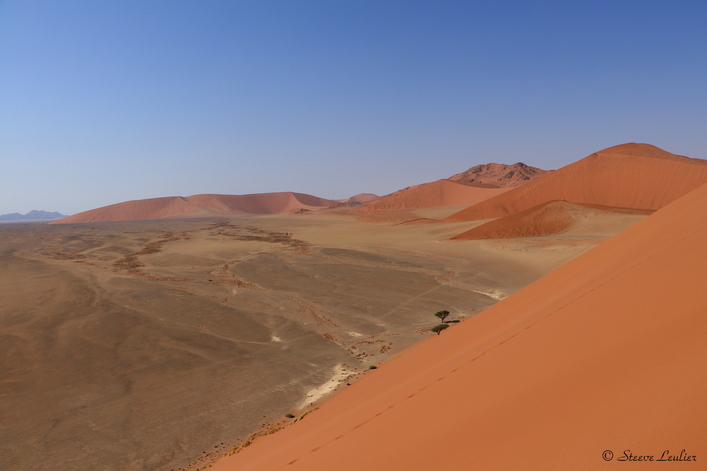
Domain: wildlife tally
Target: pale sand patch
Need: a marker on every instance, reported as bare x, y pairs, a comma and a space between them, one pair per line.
325, 389
275, 338
497, 295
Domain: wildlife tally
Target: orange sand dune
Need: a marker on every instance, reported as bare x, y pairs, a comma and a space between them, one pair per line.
637, 176
554, 217
435, 194
361, 198
200, 205
601, 359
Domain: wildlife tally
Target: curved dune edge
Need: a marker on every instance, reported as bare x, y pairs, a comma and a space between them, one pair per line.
632, 175
200, 205
434, 195
553, 217
605, 353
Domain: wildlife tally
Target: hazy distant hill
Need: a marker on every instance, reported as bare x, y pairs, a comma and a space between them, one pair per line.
34, 214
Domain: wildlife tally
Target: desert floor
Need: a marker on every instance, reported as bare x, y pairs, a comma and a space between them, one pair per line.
158, 345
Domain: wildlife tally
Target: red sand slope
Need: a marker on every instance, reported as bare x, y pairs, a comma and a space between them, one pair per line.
554, 217
435, 194
360, 198
545, 219
200, 205
637, 176
500, 175
605, 353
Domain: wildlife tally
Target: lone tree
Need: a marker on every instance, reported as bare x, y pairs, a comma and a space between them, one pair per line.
442, 315
439, 328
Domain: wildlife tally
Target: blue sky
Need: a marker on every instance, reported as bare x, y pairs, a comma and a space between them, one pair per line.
103, 102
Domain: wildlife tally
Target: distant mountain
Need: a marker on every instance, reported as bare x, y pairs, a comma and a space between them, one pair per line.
500, 175
34, 214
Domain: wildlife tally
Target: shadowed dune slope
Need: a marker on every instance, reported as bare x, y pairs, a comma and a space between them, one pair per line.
435, 194
554, 217
605, 353
639, 176
200, 205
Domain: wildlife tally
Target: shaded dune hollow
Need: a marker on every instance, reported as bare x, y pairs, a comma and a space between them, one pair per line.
639, 176
200, 206
551, 218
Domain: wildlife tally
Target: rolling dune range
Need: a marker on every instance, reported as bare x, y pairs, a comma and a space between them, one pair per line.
635, 176
470, 187
201, 206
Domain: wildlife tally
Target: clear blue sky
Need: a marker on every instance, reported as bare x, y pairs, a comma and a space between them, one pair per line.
107, 101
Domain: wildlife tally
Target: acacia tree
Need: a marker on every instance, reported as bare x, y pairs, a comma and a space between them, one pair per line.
439, 328
442, 315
